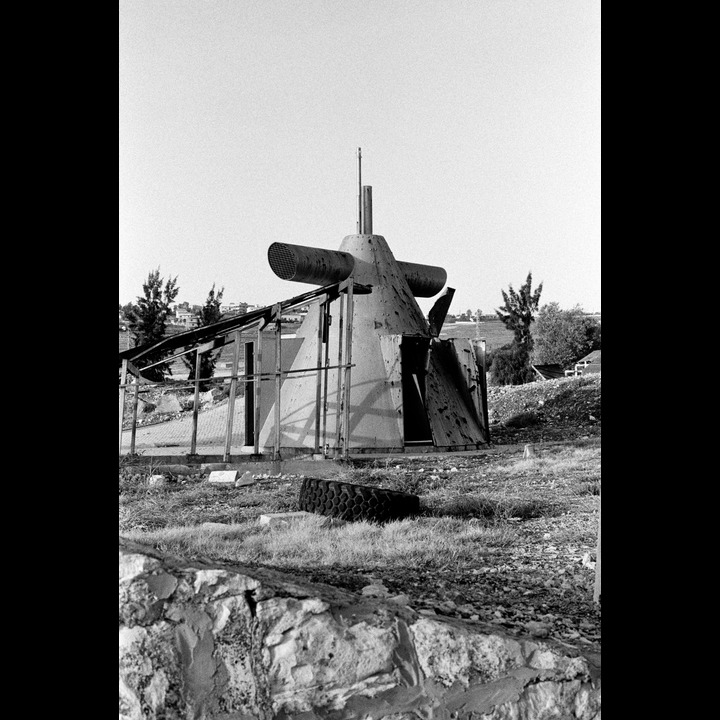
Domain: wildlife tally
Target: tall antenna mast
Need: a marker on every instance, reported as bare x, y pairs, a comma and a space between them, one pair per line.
359, 222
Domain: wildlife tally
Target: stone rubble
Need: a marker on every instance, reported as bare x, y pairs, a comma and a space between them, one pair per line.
210, 642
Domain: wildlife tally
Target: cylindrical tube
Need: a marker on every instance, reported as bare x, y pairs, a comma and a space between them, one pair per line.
367, 210
308, 264
424, 280
322, 267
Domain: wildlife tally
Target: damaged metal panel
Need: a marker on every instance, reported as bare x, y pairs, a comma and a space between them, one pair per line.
390, 348
471, 372
450, 408
465, 358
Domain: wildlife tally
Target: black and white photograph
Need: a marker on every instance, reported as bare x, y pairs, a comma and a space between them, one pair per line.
359, 359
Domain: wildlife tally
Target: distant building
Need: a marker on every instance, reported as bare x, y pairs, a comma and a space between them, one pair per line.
239, 308
186, 318
589, 364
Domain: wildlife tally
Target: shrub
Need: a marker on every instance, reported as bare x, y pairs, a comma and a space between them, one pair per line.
510, 365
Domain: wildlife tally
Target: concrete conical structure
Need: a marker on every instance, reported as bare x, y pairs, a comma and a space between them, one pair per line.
406, 388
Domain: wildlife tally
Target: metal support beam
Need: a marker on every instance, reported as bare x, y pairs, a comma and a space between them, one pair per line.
338, 401
278, 379
196, 403
231, 399
318, 383
123, 380
134, 417
256, 389
326, 372
348, 365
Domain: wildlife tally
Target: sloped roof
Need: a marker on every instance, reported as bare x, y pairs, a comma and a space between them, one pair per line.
593, 357
549, 372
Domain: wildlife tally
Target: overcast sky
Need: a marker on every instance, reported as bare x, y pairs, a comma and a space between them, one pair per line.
479, 123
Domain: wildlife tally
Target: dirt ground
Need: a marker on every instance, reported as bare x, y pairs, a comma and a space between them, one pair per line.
542, 583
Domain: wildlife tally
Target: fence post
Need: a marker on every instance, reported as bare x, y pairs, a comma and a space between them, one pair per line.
338, 405
231, 399
348, 361
256, 389
318, 380
328, 320
123, 378
196, 403
278, 379
134, 421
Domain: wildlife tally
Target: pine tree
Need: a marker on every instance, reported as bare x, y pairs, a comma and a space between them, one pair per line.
510, 364
147, 320
519, 310
208, 314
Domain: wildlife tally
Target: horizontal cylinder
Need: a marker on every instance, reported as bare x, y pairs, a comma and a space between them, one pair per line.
308, 264
323, 267
424, 280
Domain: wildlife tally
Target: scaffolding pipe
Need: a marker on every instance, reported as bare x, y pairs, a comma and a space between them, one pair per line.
278, 379
123, 378
328, 322
231, 398
258, 370
196, 403
348, 361
134, 419
339, 376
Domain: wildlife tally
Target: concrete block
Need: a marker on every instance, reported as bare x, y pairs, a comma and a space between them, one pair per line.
247, 478
273, 519
223, 477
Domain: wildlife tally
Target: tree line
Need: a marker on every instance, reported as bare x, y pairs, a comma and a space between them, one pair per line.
541, 335
148, 321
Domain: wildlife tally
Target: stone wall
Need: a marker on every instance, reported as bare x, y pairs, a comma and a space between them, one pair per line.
204, 641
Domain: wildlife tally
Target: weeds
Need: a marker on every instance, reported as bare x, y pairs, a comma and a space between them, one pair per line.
498, 510
431, 542
523, 419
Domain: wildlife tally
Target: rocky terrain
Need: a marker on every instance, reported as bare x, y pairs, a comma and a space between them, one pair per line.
542, 582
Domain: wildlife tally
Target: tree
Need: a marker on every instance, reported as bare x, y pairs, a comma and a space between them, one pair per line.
510, 364
207, 314
147, 320
564, 336
519, 310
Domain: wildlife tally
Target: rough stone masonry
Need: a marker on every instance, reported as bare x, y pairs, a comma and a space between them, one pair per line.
213, 642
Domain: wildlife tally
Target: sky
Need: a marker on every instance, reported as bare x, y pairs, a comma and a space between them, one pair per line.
479, 123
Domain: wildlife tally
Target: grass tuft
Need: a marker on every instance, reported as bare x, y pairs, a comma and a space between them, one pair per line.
497, 509
432, 542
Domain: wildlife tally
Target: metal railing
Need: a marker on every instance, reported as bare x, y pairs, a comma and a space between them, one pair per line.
236, 330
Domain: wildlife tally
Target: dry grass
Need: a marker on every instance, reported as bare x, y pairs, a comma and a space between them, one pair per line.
429, 542
468, 505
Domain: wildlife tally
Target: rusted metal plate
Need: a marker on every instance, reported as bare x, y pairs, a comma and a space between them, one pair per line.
390, 348
451, 412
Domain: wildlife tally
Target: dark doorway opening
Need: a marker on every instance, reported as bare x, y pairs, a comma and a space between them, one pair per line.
413, 360
249, 394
